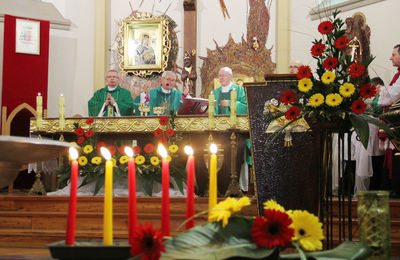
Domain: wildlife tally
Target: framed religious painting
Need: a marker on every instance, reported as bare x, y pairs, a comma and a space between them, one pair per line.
144, 44
27, 36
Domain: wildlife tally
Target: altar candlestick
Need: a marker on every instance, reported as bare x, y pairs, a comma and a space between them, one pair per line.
165, 225
132, 215
212, 199
190, 187
39, 110
61, 111
70, 237
233, 108
211, 103
108, 217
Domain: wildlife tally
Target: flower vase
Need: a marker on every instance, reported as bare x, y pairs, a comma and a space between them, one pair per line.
374, 222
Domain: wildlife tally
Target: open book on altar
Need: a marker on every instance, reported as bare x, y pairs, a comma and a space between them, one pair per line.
193, 106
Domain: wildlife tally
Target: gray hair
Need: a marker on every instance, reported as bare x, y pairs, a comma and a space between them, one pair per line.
227, 69
168, 72
113, 70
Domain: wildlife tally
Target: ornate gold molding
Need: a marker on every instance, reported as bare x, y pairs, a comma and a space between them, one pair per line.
139, 124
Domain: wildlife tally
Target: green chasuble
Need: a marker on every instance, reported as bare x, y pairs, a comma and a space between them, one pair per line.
172, 101
121, 96
241, 103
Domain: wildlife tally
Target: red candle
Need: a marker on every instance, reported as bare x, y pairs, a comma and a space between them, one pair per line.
165, 226
190, 187
132, 216
70, 237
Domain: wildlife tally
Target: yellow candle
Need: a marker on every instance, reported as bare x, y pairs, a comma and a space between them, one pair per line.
233, 108
212, 199
108, 217
39, 110
211, 103
61, 112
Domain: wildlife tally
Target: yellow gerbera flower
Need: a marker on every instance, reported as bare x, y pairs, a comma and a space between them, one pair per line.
114, 162
328, 77
307, 230
169, 158
74, 143
305, 84
140, 159
225, 209
316, 100
239, 204
123, 159
347, 89
272, 204
96, 160
88, 149
82, 160
333, 99
173, 148
154, 160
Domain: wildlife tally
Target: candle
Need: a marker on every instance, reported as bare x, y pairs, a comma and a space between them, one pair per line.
212, 199
61, 112
211, 103
165, 191
132, 217
70, 237
233, 108
190, 187
108, 218
39, 110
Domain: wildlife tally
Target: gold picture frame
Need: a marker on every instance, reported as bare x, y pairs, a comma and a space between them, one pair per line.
143, 44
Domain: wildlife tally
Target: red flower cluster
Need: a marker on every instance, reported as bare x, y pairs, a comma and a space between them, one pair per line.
341, 42
272, 230
169, 132
148, 148
330, 63
163, 120
158, 132
82, 134
147, 241
358, 106
137, 150
367, 91
292, 113
325, 27
304, 72
288, 97
317, 49
356, 70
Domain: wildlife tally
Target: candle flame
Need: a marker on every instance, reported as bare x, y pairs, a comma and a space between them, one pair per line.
162, 151
61, 95
38, 94
73, 153
188, 150
213, 148
128, 151
106, 153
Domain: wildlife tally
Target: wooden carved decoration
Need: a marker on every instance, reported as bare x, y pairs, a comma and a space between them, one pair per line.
358, 32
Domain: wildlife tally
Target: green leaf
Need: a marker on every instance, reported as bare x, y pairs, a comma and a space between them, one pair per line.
211, 241
361, 127
99, 184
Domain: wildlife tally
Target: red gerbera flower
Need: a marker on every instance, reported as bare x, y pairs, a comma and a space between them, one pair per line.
158, 132
148, 148
79, 131
272, 230
121, 149
148, 242
169, 132
100, 144
89, 121
137, 150
80, 140
89, 133
112, 149
330, 63
341, 42
288, 97
367, 91
358, 106
325, 27
292, 113
318, 49
163, 120
356, 70
304, 72
163, 140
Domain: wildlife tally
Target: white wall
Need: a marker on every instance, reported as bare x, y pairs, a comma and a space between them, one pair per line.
381, 18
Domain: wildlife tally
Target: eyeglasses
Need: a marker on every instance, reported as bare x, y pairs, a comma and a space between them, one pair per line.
172, 80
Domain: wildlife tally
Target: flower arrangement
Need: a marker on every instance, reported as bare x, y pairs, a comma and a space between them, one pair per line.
336, 91
148, 168
229, 235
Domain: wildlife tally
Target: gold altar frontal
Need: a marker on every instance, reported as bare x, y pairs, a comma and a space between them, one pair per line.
198, 131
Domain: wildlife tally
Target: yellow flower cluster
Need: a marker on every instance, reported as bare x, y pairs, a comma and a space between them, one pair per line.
225, 209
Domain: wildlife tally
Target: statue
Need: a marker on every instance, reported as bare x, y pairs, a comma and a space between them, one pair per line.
189, 75
358, 32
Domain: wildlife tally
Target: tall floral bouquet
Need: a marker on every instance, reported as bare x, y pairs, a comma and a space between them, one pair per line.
230, 235
336, 91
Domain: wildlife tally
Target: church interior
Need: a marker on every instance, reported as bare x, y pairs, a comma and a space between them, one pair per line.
120, 113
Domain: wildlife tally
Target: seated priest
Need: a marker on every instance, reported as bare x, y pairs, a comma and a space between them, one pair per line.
222, 94
112, 100
166, 95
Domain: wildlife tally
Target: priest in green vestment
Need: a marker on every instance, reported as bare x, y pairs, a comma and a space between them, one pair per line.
222, 94
112, 100
166, 95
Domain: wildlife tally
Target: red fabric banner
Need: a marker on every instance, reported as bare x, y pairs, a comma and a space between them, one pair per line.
24, 75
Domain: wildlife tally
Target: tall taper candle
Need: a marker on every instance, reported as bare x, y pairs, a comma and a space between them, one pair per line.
39, 110
61, 111
165, 225
233, 108
211, 104
212, 199
132, 214
190, 187
108, 182
70, 236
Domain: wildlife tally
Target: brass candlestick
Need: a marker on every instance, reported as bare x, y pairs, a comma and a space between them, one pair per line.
234, 187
